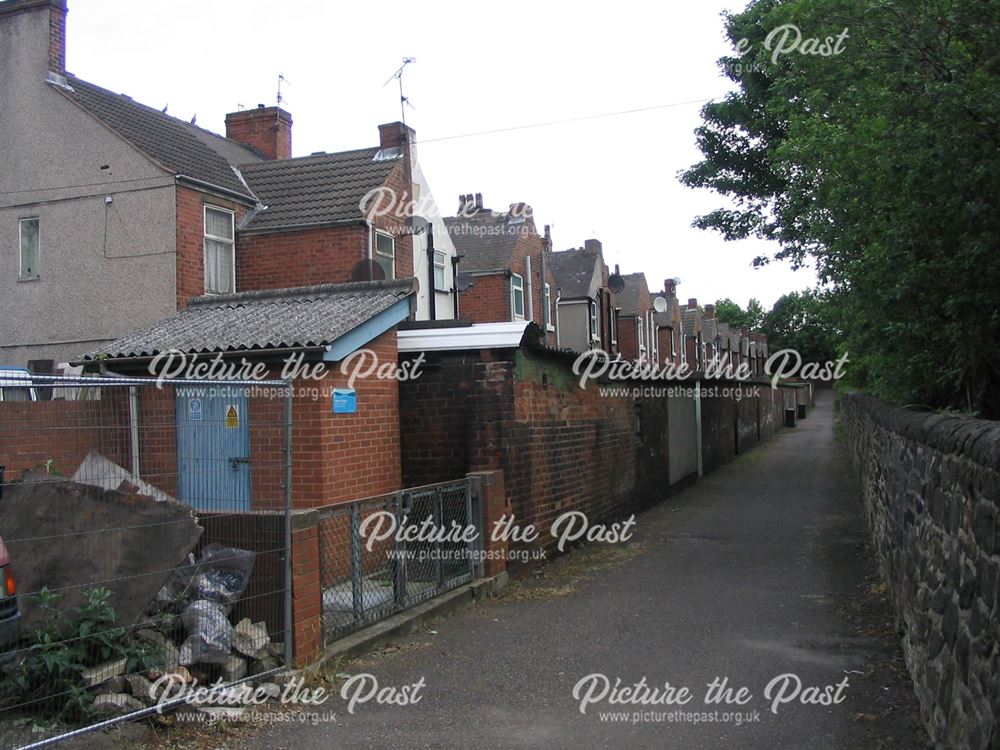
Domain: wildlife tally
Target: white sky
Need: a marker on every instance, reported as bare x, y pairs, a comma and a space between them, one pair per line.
480, 66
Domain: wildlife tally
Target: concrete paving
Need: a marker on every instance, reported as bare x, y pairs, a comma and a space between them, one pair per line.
759, 570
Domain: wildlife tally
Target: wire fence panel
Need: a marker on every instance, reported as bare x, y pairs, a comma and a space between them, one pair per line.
145, 534
368, 573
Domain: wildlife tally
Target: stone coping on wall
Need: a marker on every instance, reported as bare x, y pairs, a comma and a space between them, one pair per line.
976, 439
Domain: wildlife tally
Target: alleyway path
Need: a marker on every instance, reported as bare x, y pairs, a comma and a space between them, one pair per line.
760, 569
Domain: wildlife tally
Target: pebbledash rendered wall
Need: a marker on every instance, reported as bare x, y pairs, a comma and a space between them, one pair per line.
931, 487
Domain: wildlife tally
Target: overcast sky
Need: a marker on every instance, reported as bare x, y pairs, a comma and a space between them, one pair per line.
479, 66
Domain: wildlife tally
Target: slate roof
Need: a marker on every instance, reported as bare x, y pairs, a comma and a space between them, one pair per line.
320, 189
180, 147
574, 271
486, 239
304, 317
628, 297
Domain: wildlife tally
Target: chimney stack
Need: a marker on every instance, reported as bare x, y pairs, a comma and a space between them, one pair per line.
44, 33
594, 246
479, 201
709, 311
692, 303
267, 129
395, 135
669, 287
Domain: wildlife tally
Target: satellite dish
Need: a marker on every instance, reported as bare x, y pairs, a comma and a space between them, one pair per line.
659, 304
417, 224
616, 283
367, 270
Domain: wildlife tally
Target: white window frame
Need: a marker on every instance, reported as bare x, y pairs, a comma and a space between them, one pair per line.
443, 265
595, 332
378, 254
21, 275
640, 335
654, 337
547, 307
514, 289
231, 241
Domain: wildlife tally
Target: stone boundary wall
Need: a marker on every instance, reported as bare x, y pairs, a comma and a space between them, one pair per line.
931, 488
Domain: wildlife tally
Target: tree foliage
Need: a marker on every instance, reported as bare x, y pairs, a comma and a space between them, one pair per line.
880, 166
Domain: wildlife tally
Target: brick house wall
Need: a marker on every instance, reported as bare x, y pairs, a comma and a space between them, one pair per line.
190, 221
326, 255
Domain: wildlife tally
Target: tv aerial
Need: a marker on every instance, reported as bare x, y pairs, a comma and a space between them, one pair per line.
404, 101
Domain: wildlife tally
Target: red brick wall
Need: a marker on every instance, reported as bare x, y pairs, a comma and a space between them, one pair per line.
340, 457
190, 218
628, 338
326, 255
488, 301
63, 432
267, 129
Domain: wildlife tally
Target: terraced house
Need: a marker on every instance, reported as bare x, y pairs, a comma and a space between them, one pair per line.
113, 214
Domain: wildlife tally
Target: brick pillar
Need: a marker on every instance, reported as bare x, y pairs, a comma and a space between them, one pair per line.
494, 503
307, 623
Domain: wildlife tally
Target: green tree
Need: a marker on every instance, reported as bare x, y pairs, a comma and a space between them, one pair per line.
730, 312
803, 321
880, 166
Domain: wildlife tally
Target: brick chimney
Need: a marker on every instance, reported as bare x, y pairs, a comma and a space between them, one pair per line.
593, 246
669, 287
395, 135
692, 303
52, 34
267, 129
709, 311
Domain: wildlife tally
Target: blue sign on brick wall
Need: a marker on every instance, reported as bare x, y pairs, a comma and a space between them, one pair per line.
344, 401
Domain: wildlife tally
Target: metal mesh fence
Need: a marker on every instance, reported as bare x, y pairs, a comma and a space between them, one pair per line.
371, 569
145, 533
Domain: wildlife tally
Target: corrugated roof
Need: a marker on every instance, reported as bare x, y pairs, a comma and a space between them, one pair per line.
628, 298
320, 189
574, 271
179, 146
486, 239
285, 318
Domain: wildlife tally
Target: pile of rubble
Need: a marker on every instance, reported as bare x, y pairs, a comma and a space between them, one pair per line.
188, 631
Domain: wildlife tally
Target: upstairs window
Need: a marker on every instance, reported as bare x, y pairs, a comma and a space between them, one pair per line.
517, 296
547, 307
30, 245
594, 336
440, 278
220, 253
385, 254
640, 335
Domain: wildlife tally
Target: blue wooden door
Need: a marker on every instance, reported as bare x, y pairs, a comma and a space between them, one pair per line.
213, 448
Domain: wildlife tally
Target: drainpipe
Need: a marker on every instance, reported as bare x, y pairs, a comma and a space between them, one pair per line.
529, 308
454, 284
431, 289
697, 426
133, 401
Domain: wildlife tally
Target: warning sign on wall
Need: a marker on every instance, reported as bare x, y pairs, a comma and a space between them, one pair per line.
195, 410
232, 418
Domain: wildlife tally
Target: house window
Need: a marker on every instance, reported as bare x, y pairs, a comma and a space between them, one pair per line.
29, 240
547, 306
593, 321
385, 255
517, 296
440, 259
640, 335
220, 258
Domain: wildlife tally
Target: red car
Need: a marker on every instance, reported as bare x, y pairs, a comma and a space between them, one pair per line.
10, 618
